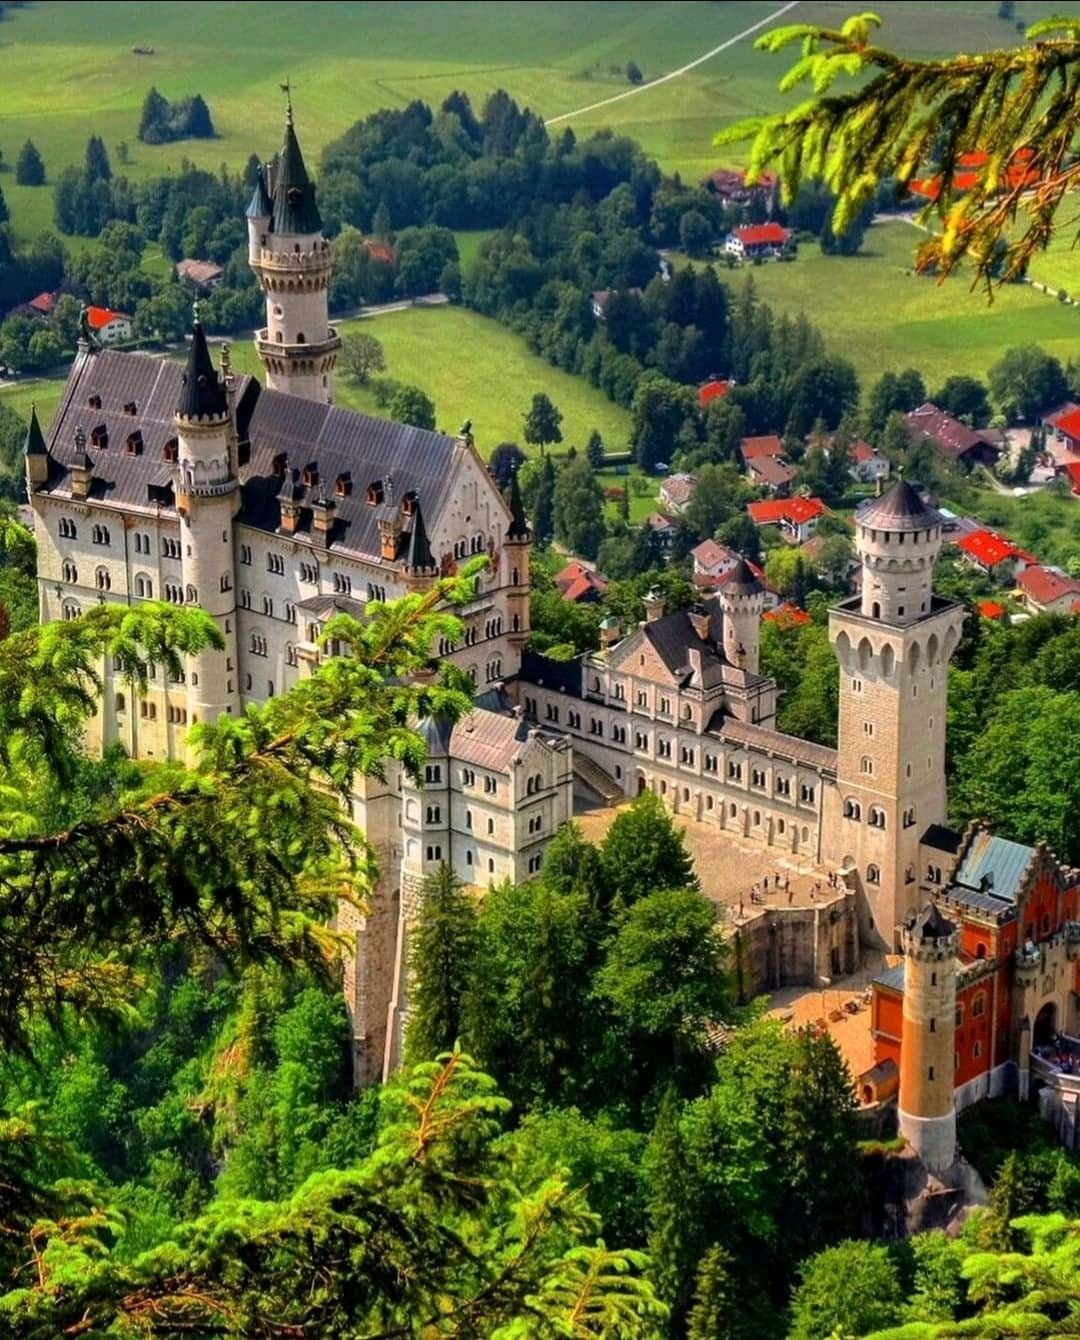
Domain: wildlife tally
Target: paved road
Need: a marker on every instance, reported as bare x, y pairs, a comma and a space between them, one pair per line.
675, 74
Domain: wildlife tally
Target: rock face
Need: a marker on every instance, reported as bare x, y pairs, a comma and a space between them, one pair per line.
904, 1198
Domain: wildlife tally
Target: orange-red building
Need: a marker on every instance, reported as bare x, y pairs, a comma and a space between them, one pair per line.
1016, 1020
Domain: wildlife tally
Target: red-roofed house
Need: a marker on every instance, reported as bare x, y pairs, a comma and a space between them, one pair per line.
753, 447
712, 390
379, 251
993, 553
797, 518
787, 615
712, 560
44, 304
1048, 590
966, 174
757, 239
989, 609
204, 275
952, 439
1067, 429
677, 490
107, 325
1070, 471
579, 584
868, 465
731, 186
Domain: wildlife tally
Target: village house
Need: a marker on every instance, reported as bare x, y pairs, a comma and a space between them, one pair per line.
1070, 472
715, 562
715, 389
579, 584
757, 239
951, 438
1064, 423
796, 518
867, 465
772, 474
676, 491
203, 275
663, 529
990, 609
993, 554
1048, 590
109, 327
602, 296
731, 187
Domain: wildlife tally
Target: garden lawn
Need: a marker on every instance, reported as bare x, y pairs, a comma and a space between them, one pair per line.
874, 310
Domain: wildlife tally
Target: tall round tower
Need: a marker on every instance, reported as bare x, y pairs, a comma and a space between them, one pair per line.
298, 347
898, 540
742, 599
928, 1041
208, 498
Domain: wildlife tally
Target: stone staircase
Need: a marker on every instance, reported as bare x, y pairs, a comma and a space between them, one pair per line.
599, 782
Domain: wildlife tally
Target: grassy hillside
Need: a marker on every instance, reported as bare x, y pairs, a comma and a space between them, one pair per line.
470, 366
69, 69
877, 312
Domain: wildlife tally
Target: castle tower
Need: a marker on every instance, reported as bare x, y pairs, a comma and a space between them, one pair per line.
36, 454
208, 498
894, 642
742, 599
518, 545
927, 1111
298, 347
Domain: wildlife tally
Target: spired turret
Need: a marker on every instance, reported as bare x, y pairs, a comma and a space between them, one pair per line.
742, 599
36, 454
898, 537
298, 347
518, 545
927, 1111
208, 498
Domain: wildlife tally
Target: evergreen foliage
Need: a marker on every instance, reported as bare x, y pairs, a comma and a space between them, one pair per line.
162, 121
29, 166
442, 964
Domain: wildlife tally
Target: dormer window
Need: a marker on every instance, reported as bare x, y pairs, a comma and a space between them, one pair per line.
171, 451
135, 443
278, 464
343, 484
99, 437
94, 401
408, 503
130, 408
311, 474
375, 493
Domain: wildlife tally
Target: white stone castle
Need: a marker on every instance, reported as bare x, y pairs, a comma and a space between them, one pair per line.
273, 510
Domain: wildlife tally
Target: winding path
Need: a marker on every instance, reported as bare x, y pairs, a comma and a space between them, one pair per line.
674, 74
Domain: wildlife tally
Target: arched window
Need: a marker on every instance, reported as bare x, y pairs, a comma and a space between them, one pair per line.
866, 765
191, 595
226, 582
70, 610
68, 529
102, 580
873, 874
144, 587
852, 809
290, 654
290, 612
268, 606
121, 703
876, 817
71, 574
909, 817
978, 1005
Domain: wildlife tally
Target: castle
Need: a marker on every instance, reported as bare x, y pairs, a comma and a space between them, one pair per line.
274, 510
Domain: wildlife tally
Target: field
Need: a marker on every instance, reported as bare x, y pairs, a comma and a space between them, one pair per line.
69, 69
875, 311
470, 366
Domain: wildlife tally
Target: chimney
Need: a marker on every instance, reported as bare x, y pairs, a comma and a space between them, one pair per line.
694, 657
654, 605
82, 470
699, 621
610, 633
322, 521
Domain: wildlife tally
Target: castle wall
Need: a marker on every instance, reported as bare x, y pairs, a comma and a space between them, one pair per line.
796, 946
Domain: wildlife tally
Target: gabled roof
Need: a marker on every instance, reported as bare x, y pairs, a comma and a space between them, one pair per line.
863, 452
490, 740
709, 552
99, 317
1069, 424
987, 548
774, 510
951, 437
994, 864
44, 303
772, 472
899, 508
762, 235
1044, 585
712, 390
754, 447
989, 609
199, 272
678, 489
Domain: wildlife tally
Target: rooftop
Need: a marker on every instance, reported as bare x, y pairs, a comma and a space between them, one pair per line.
989, 548
1044, 585
762, 234
899, 508
774, 510
994, 865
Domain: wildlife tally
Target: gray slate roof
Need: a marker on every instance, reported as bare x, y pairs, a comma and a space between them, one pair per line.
337, 441
776, 742
899, 508
994, 865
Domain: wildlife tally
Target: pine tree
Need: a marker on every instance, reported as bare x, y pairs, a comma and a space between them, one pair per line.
154, 119
441, 962
4, 215
542, 422
381, 224
544, 507
673, 1229
594, 450
719, 1309
29, 166
197, 123
97, 167
643, 851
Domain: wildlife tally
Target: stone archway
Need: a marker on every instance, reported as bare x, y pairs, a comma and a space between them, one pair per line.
1045, 1025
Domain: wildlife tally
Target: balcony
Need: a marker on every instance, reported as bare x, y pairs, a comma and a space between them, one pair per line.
309, 349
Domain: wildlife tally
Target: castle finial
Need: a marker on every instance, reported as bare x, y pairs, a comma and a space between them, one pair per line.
195, 312
286, 88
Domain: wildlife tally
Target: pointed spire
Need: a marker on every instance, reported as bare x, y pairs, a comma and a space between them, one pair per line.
418, 555
35, 440
741, 581
260, 206
295, 210
519, 526
202, 395
899, 508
